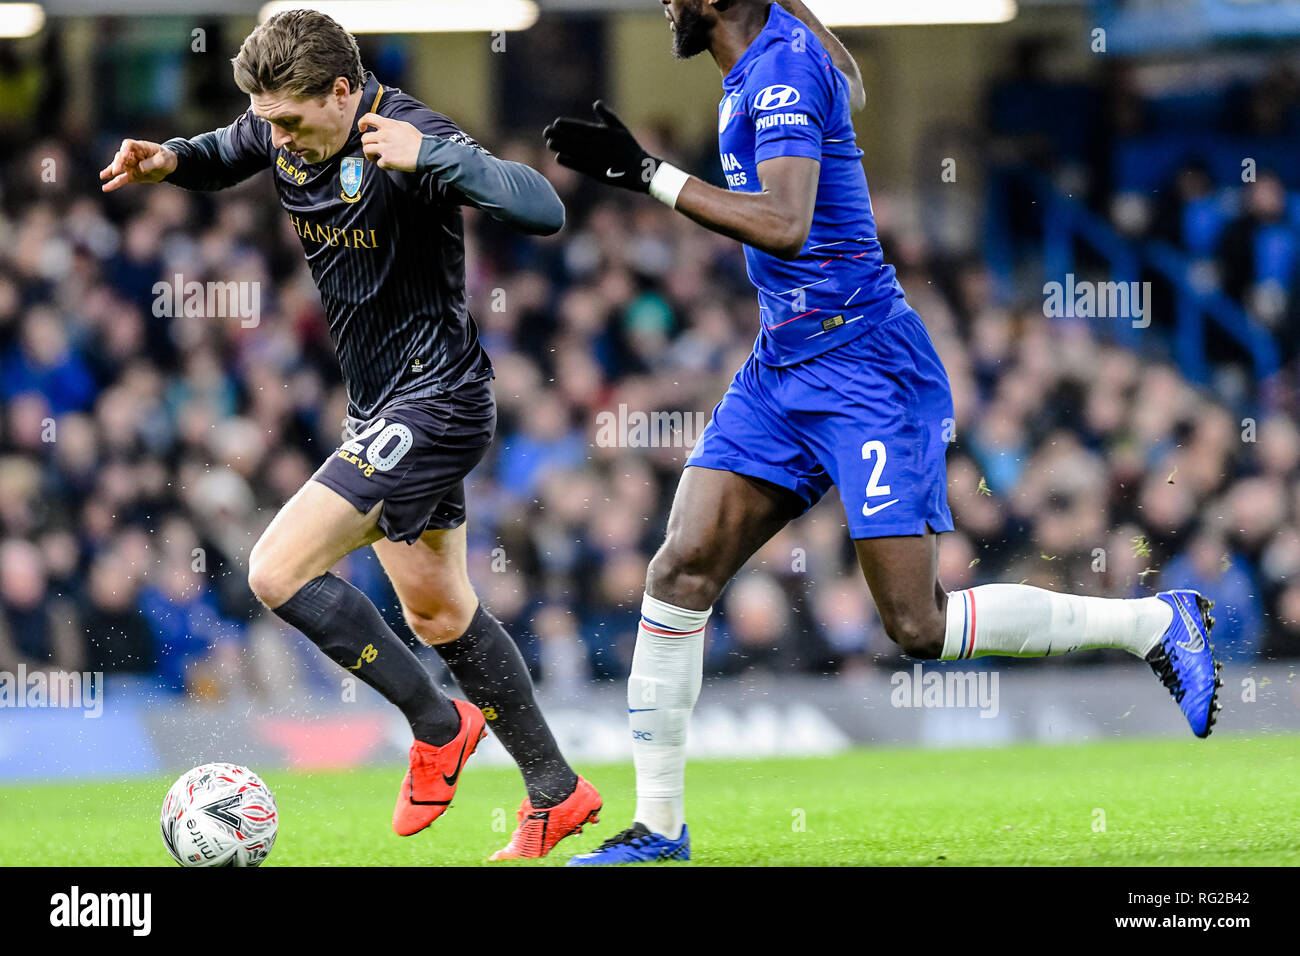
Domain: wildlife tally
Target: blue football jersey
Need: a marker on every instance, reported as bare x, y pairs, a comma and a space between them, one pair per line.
786, 98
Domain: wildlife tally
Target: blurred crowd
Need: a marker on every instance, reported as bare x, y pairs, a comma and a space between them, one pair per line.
1199, 156
1244, 239
142, 454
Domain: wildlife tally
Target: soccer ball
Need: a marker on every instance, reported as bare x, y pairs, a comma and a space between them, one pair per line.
219, 814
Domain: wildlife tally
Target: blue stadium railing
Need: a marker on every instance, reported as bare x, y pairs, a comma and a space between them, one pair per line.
1067, 224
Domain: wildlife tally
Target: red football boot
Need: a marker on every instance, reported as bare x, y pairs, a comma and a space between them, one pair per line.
540, 830
431, 782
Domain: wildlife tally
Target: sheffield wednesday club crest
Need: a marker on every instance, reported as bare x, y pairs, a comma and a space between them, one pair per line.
350, 177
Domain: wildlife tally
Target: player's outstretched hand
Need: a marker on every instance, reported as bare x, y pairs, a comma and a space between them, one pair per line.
137, 161
605, 150
390, 143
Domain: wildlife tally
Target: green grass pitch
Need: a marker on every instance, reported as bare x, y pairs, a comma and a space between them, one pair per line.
1224, 801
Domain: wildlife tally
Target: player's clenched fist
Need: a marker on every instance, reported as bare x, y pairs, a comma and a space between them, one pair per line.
390, 143
137, 161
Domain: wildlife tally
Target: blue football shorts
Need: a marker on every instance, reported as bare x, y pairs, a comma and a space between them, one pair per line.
873, 417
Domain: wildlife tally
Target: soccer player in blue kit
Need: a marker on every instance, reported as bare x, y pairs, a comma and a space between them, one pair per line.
843, 388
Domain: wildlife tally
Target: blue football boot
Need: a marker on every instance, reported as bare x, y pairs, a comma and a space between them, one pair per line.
636, 844
1184, 659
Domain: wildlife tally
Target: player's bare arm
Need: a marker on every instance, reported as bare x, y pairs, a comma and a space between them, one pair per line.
775, 220
841, 57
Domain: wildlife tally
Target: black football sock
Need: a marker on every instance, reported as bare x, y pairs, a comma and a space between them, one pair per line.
343, 623
490, 670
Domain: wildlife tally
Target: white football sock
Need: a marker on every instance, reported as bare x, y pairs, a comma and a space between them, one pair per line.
667, 670
1016, 620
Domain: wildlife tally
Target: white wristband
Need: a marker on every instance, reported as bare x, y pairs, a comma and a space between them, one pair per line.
667, 184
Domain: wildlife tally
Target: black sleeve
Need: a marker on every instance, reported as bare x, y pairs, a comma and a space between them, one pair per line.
511, 192
221, 158
453, 167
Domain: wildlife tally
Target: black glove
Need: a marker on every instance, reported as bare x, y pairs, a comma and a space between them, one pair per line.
605, 150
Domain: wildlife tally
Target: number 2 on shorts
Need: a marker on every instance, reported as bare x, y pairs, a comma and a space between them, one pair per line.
875, 449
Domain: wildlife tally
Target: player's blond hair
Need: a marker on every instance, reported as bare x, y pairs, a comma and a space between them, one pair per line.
297, 53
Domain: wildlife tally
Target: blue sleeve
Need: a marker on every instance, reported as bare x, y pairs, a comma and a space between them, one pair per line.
790, 98
222, 158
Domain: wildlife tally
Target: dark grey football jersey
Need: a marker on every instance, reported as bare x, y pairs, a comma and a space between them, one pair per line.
386, 248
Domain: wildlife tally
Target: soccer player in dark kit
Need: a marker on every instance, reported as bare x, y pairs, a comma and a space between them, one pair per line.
373, 182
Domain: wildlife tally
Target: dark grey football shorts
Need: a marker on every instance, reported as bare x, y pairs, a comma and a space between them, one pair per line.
414, 456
